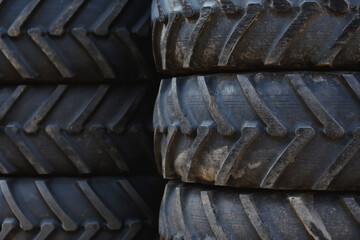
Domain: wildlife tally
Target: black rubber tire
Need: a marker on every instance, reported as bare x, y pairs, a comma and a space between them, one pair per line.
75, 41
192, 36
264, 130
80, 208
198, 212
72, 129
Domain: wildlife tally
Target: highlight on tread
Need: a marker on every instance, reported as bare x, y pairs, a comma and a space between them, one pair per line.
70, 129
297, 130
80, 208
198, 212
75, 41
230, 35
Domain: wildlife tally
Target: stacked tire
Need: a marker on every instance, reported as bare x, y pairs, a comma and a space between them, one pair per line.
256, 123
77, 89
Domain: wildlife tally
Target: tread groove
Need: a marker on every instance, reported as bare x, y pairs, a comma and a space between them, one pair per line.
112, 222
102, 25
11, 101
16, 59
206, 200
15, 28
332, 51
137, 200
124, 36
249, 133
100, 135
77, 123
25, 223
94, 52
204, 18
348, 152
165, 39
352, 207
128, 108
252, 214
303, 137
179, 206
354, 84
55, 57
68, 148
251, 13
57, 29
166, 160
308, 10
331, 127
274, 126
67, 223
223, 125
186, 121
204, 131
309, 218
32, 125
30, 153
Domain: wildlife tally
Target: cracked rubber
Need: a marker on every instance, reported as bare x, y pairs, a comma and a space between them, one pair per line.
80, 208
199, 212
298, 130
76, 129
198, 36
75, 41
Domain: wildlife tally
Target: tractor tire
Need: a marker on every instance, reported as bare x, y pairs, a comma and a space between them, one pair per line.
72, 129
75, 41
298, 130
208, 36
80, 208
199, 212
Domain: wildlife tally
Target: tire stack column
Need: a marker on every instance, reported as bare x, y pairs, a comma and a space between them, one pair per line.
77, 89
257, 118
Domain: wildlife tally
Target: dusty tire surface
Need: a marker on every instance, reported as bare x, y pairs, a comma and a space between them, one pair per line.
75, 41
76, 129
215, 36
197, 212
80, 208
262, 130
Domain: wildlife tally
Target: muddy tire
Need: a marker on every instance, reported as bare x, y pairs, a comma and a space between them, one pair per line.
80, 208
75, 41
76, 129
207, 36
264, 130
198, 212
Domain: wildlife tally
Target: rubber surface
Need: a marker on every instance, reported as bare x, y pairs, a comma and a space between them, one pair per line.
80, 208
226, 35
75, 41
264, 130
198, 212
72, 129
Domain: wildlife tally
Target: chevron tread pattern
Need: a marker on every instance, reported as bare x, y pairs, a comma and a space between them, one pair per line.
78, 208
69, 129
274, 34
264, 130
225, 213
75, 40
